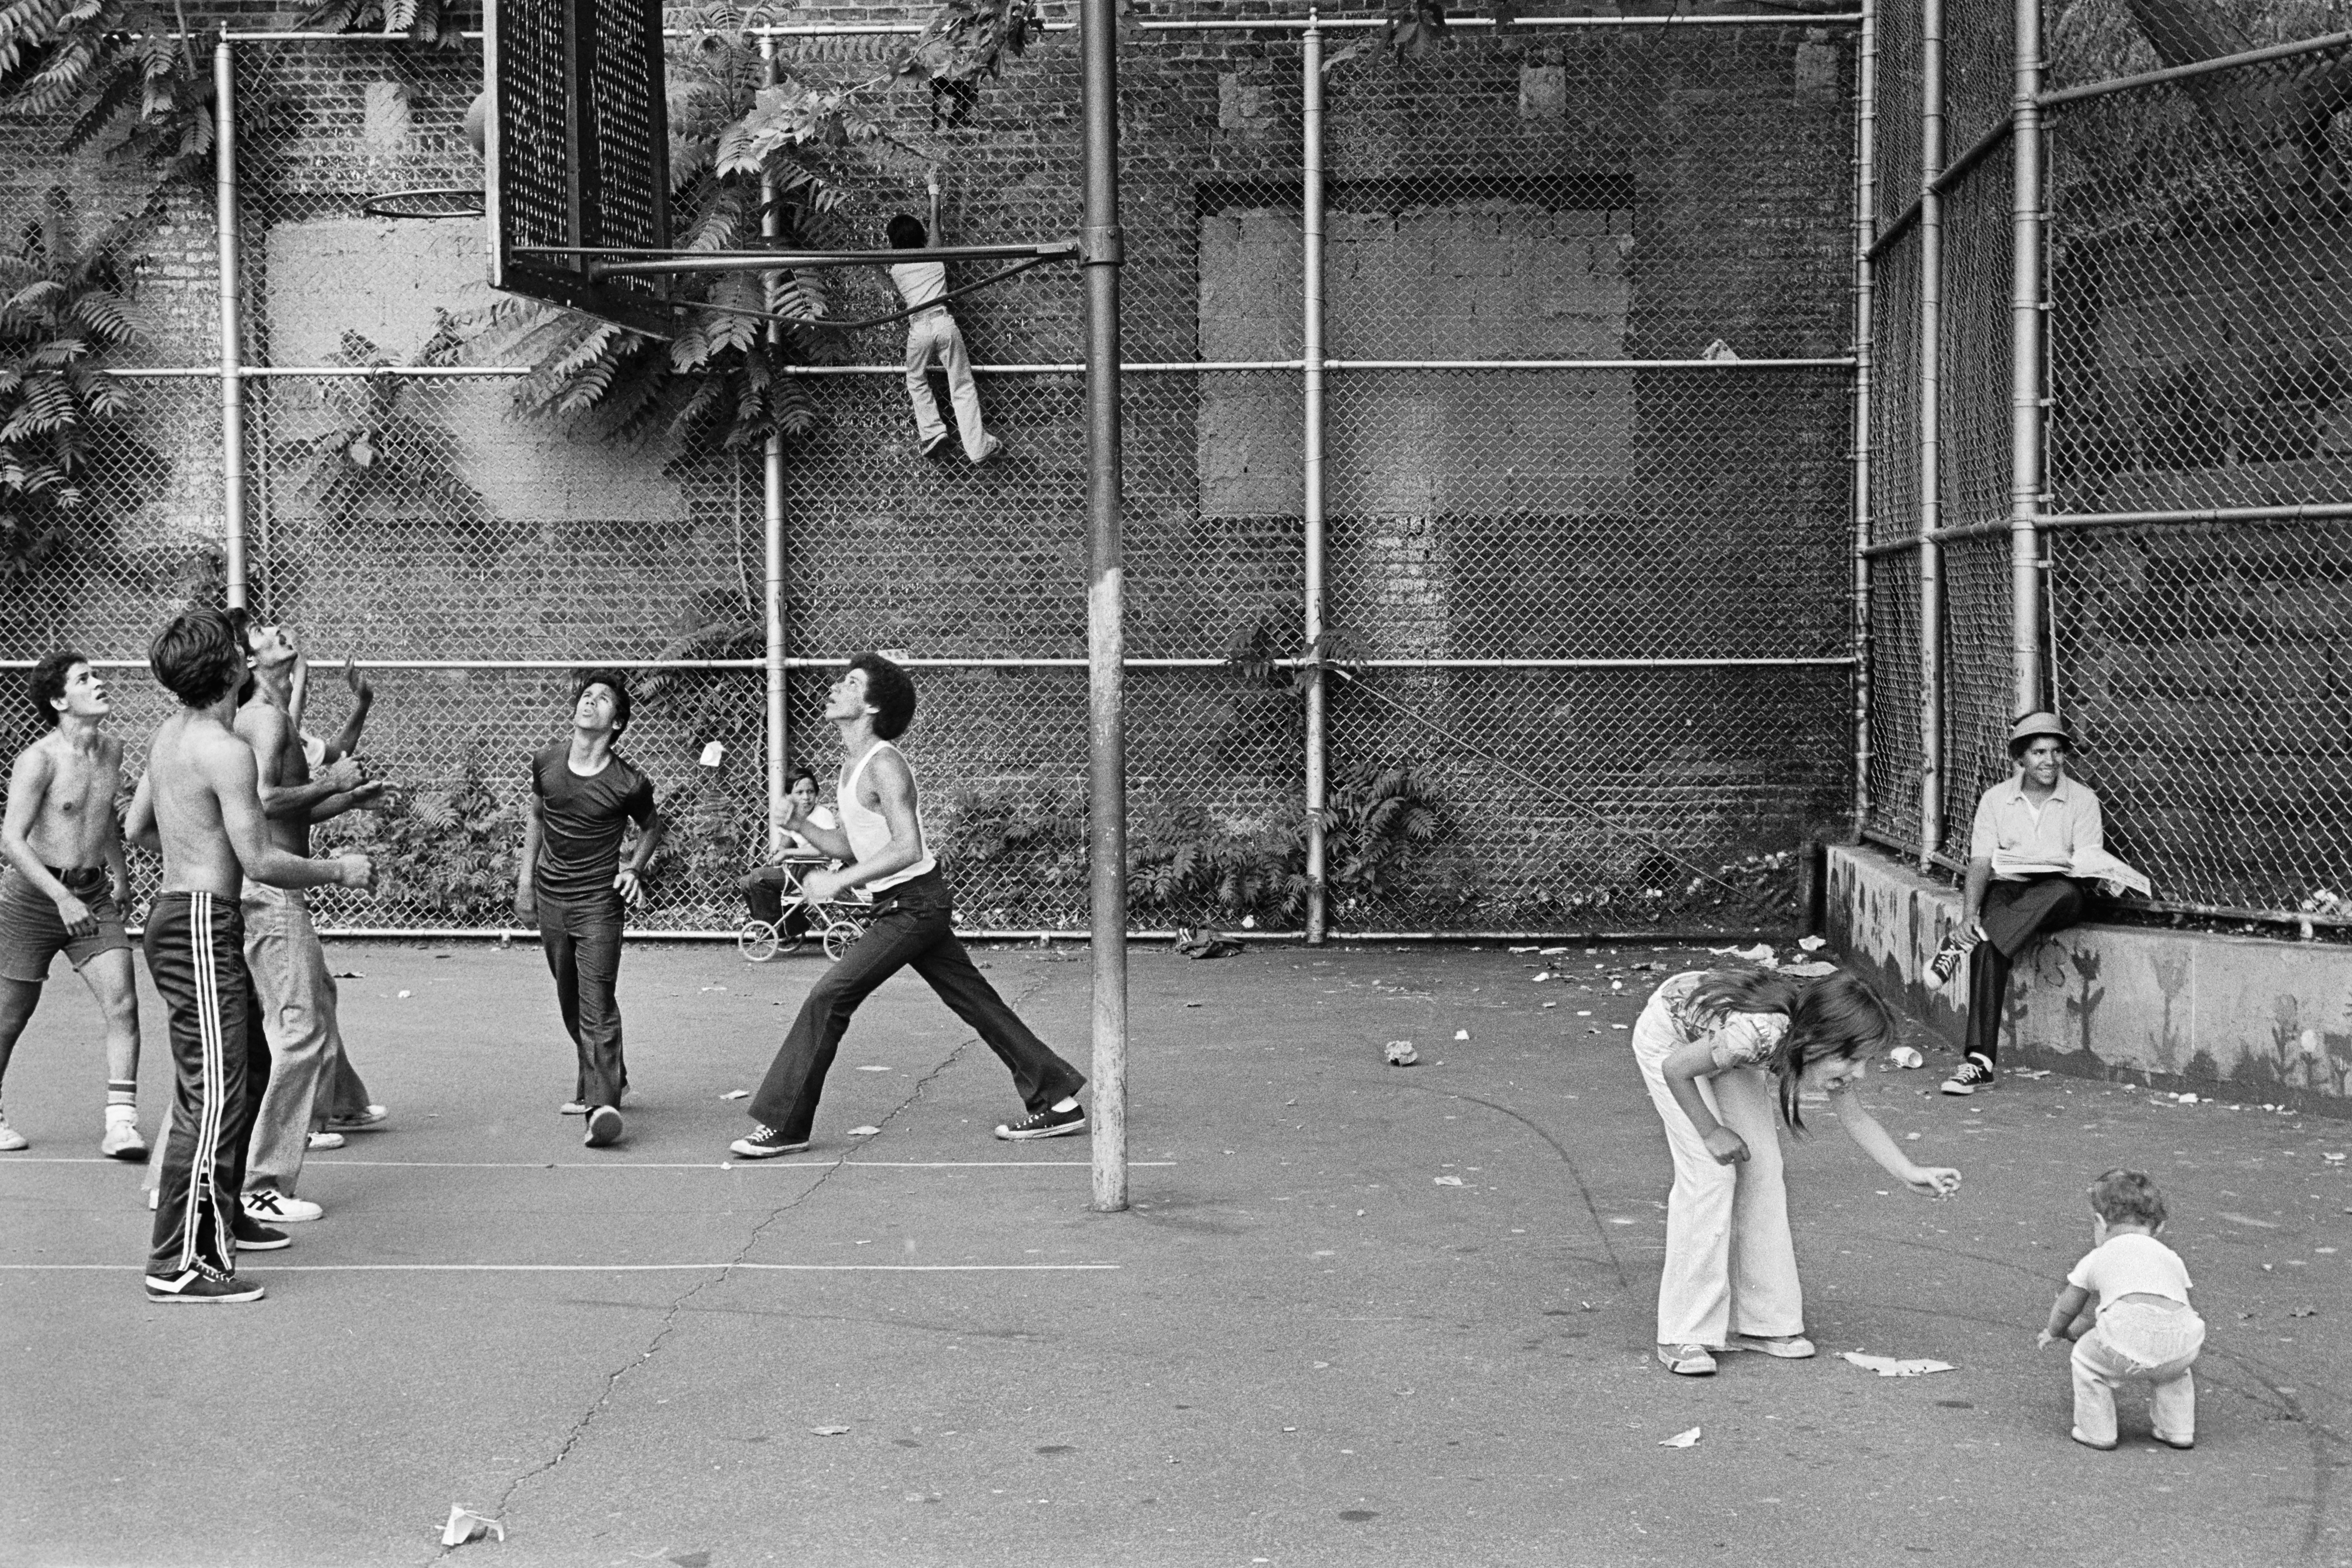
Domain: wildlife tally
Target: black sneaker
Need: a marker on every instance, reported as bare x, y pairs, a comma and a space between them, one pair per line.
252, 1235
202, 1284
1946, 962
766, 1144
1974, 1074
1045, 1124
603, 1128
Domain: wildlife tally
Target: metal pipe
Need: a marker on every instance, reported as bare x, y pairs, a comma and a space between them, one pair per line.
2027, 413
2196, 69
1131, 367
1866, 221
1105, 602
807, 260
231, 347
772, 536
2299, 512
1841, 363
1310, 281
529, 666
1049, 933
1931, 371
1976, 153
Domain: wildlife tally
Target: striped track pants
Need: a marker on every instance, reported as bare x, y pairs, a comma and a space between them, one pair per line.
195, 954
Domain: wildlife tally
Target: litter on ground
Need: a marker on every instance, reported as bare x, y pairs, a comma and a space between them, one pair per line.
1889, 1366
1680, 1440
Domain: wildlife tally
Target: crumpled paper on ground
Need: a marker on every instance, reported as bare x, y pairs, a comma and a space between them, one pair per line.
464, 1527
1204, 942
1889, 1366
1400, 1054
1680, 1440
1760, 954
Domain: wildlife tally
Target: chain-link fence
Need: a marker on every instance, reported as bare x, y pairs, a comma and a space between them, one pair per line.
1583, 522
2190, 514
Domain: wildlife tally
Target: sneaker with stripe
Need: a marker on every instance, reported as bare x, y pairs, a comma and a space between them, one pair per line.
1045, 1124
201, 1286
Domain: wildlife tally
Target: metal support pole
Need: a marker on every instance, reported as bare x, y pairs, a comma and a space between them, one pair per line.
1931, 391
772, 534
2027, 413
1105, 602
1311, 458
1865, 235
231, 333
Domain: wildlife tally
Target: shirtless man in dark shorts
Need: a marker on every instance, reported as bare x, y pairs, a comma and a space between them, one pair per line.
64, 885
201, 800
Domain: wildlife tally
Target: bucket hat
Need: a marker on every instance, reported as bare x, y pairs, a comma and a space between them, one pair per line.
2037, 724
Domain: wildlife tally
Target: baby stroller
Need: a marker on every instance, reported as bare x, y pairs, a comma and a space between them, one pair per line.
780, 923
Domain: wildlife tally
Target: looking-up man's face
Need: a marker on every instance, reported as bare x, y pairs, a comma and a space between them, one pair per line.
85, 694
271, 647
847, 698
594, 708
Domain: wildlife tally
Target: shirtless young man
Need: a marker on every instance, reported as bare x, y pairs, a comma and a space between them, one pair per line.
64, 885
201, 800
291, 977
880, 844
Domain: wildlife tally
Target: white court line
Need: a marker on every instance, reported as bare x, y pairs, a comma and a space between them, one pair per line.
598, 1268
653, 1165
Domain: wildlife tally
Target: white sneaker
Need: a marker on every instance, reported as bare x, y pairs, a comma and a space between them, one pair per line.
366, 1120
122, 1141
270, 1206
10, 1139
325, 1141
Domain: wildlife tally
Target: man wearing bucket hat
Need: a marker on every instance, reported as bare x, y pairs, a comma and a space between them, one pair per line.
2037, 834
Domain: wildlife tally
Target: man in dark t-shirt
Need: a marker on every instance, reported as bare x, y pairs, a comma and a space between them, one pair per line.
584, 794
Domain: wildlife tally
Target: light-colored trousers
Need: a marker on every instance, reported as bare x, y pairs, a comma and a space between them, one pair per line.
1731, 1266
935, 335
297, 993
2155, 1346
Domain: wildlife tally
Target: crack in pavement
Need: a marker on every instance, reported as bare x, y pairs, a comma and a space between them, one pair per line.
677, 1308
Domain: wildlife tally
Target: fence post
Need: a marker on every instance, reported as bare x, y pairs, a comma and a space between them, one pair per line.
2026, 426
1865, 233
772, 535
232, 333
1106, 596
1311, 460
1931, 391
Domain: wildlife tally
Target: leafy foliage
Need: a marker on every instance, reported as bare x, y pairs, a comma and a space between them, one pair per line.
125, 71
62, 309
450, 852
732, 131
378, 462
427, 21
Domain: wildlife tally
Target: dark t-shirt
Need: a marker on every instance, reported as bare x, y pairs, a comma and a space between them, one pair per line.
582, 821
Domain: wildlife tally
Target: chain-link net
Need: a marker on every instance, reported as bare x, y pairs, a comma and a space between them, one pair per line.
1659, 206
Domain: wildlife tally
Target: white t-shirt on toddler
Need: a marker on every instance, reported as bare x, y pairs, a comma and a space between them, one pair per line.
2131, 1265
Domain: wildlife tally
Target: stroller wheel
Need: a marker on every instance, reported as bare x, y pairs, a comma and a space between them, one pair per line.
757, 941
839, 933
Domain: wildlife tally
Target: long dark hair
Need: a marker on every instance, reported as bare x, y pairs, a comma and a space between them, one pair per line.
1830, 1016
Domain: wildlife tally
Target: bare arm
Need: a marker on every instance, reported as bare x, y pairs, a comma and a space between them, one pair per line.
347, 739
527, 865
1684, 1067
1927, 1180
649, 837
2065, 1316
232, 773
139, 822
1973, 894
28, 783
117, 868
357, 798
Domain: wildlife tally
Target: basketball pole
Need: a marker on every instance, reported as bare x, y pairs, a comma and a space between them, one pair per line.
772, 536
1099, 255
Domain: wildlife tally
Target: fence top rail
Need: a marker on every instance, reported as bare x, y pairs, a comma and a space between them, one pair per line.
1152, 25
593, 661
2292, 511
2066, 95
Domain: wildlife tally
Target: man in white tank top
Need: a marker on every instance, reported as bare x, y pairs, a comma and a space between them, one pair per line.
881, 843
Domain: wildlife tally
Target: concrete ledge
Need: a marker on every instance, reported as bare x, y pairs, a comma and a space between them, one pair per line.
2241, 1017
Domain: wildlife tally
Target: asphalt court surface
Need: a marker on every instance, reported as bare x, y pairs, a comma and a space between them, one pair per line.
1358, 1313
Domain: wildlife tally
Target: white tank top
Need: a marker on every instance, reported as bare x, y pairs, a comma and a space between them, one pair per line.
869, 831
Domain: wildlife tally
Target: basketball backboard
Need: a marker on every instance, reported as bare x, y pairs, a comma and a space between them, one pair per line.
577, 148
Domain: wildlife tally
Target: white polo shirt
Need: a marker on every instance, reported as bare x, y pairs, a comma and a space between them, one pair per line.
2025, 840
